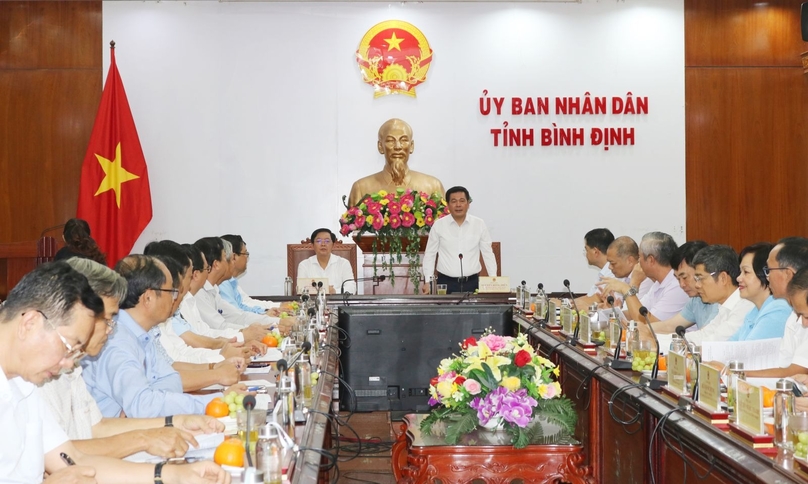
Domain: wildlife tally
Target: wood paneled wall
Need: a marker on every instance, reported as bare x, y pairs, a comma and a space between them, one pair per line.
50, 87
746, 116
746, 121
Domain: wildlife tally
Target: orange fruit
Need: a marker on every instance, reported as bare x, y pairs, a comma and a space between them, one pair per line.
229, 453
768, 397
217, 408
663, 363
270, 341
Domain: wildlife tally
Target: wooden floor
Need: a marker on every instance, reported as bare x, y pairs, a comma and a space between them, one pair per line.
372, 465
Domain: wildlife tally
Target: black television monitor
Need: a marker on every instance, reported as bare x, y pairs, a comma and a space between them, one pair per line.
394, 351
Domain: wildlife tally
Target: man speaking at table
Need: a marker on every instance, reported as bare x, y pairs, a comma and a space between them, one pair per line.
458, 240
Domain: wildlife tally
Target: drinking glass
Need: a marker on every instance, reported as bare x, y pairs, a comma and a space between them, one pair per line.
442, 288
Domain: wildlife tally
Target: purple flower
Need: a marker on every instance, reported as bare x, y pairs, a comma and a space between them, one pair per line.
514, 407
433, 402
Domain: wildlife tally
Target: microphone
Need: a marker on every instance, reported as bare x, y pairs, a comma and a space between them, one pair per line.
249, 404
380, 278
460, 256
617, 363
680, 330
306, 346
574, 339
653, 383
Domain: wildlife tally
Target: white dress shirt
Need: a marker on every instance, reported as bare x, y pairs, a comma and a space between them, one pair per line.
190, 313
178, 349
72, 405
258, 302
726, 322
220, 314
29, 432
337, 271
605, 272
794, 348
447, 241
665, 299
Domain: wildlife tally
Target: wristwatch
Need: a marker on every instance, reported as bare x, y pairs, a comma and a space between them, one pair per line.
632, 291
169, 421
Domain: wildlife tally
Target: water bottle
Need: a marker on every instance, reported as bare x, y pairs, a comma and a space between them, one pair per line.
286, 400
288, 288
523, 296
783, 408
268, 454
542, 301
595, 328
303, 379
735, 372
677, 344
632, 339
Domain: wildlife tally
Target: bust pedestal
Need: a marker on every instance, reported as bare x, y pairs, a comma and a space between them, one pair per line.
403, 284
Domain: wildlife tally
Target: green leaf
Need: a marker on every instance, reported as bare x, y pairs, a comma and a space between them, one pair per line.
463, 425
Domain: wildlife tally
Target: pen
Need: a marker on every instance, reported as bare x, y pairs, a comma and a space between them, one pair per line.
254, 389
67, 459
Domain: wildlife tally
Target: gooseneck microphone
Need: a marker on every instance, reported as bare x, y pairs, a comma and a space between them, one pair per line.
574, 339
460, 256
249, 405
680, 330
617, 363
653, 383
380, 278
306, 346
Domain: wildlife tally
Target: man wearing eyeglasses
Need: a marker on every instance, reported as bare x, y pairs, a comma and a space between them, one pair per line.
788, 257
229, 288
324, 264
716, 281
130, 377
46, 323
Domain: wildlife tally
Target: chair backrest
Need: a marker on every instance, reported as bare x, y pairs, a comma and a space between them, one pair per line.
20, 258
297, 253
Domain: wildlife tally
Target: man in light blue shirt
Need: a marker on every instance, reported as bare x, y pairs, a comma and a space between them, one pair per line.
129, 377
229, 289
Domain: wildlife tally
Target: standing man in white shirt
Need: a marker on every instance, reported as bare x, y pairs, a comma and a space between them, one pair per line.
457, 242
324, 264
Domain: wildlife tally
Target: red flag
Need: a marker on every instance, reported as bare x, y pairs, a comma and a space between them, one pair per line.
114, 195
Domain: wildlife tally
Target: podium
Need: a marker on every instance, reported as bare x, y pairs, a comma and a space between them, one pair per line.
403, 284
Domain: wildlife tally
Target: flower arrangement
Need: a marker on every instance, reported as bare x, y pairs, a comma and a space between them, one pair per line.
394, 217
497, 381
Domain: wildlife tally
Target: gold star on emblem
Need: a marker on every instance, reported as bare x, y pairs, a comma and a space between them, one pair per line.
116, 175
393, 43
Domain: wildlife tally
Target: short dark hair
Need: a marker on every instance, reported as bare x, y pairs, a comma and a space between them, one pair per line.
236, 240
211, 247
794, 253
599, 239
142, 272
55, 289
314, 234
798, 283
660, 245
171, 254
197, 261
458, 189
719, 258
760, 252
686, 253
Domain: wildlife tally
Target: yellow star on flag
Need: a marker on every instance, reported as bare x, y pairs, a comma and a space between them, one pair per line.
393, 43
116, 175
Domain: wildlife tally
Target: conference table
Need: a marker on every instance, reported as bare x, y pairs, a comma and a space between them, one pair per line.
633, 434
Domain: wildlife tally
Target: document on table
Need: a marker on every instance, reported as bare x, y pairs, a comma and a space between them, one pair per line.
272, 354
755, 355
207, 445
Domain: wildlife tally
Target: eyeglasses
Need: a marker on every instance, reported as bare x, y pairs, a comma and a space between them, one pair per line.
110, 323
699, 278
245, 254
767, 270
174, 292
74, 353
322, 241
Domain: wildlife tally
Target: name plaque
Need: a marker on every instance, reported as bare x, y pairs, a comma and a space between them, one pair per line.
494, 284
676, 372
709, 387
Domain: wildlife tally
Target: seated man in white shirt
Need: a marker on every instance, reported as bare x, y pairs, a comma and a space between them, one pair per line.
44, 325
622, 255
664, 298
231, 291
716, 274
215, 311
596, 244
324, 264
787, 260
79, 416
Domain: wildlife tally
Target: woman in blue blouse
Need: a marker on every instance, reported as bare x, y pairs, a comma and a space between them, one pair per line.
768, 318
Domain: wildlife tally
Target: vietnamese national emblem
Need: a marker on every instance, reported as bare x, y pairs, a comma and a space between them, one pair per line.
394, 57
